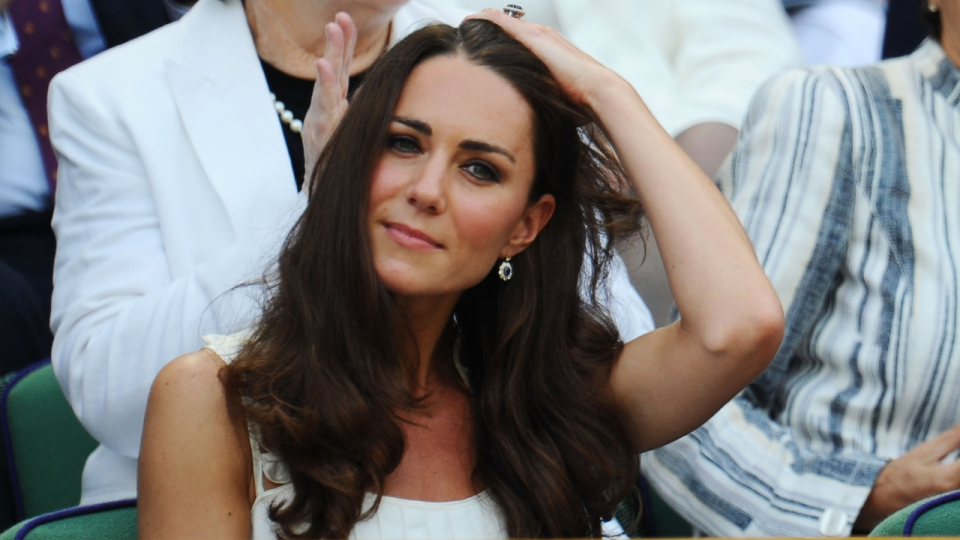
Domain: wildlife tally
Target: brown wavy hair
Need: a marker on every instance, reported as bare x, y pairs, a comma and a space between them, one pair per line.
321, 380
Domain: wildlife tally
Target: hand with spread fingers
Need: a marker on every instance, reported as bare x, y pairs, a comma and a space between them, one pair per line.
329, 101
916, 475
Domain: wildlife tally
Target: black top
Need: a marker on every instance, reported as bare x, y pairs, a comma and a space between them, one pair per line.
122, 20
295, 95
905, 30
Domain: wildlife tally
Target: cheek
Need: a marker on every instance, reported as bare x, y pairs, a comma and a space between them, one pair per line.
384, 185
486, 224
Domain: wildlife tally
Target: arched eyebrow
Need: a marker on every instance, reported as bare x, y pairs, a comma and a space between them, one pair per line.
478, 146
475, 146
415, 125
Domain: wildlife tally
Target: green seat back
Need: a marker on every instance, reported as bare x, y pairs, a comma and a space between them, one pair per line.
110, 521
8, 508
936, 516
48, 447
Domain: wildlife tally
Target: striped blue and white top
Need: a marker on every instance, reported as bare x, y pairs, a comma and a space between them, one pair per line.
848, 183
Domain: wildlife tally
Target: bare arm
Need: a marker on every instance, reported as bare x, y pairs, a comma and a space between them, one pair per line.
708, 144
732, 321
195, 473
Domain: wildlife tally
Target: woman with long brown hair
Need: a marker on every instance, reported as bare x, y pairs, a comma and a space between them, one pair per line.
426, 365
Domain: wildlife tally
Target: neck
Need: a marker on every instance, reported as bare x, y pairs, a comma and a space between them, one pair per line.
428, 351
951, 47
289, 34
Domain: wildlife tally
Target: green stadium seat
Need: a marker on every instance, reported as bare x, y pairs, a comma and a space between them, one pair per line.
108, 521
936, 516
46, 445
8, 508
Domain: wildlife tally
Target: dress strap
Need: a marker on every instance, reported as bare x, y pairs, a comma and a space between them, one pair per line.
257, 465
266, 465
227, 347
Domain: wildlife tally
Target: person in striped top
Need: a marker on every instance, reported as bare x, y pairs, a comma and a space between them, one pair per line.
847, 182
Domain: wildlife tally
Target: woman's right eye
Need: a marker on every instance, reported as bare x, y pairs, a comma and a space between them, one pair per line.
404, 144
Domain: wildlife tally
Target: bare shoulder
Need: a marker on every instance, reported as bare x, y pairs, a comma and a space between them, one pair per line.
195, 470
187, 395
193, 376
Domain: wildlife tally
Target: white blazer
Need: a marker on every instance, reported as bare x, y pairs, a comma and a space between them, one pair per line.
174, 186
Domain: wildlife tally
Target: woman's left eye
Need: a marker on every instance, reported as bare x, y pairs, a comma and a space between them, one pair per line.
482, 171
404, 144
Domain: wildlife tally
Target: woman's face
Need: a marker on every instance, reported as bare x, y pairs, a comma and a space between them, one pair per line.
450, 195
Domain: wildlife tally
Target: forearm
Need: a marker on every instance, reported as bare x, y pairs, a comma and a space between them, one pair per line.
720, 288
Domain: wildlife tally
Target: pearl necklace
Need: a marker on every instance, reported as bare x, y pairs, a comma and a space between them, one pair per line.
286, 116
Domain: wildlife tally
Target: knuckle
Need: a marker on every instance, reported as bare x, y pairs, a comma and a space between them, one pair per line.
944, 482
535, 31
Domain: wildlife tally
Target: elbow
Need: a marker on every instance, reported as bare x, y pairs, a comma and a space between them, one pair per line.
752, 336
769, 329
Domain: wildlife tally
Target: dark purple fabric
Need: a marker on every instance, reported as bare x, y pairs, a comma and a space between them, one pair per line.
923, 508
72, 512
46, 48
5, 426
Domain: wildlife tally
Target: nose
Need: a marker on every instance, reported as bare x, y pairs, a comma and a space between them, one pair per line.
425, 191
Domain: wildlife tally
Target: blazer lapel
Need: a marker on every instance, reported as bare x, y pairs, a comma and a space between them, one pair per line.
220, 90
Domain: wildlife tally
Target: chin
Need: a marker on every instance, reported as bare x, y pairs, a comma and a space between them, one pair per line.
404, 280
401, 280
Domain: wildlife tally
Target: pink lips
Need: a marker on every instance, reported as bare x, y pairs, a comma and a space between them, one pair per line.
410, 237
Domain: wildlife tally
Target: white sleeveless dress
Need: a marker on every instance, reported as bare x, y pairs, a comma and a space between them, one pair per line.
475, 518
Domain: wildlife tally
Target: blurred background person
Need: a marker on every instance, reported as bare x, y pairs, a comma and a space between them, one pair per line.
38, 39
856, 32
846, 181
839, 32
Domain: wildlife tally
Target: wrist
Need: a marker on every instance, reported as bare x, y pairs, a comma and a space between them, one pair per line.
607, 88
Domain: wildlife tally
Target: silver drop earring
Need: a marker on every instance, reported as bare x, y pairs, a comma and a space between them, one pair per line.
932, 8
506, 270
